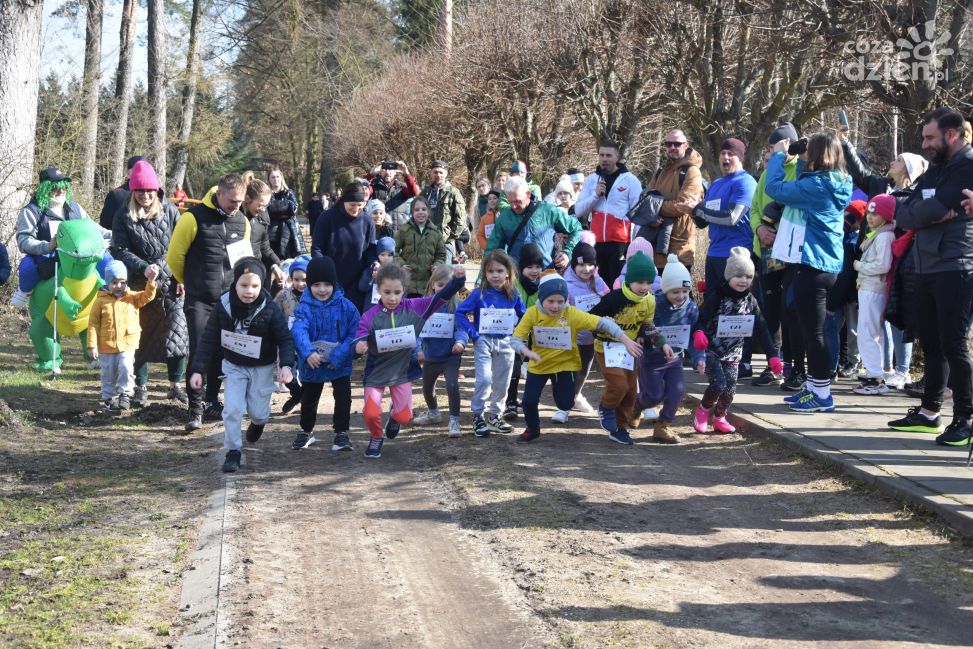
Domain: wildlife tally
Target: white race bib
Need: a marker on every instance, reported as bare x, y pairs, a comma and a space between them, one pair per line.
735, 326
238, 250
241, 344
713, 204
617, 356
375, 296
676, 335
390, 340
439, 325
586, 302
323, 348
928, 193
488, 229
497, 321
553, 337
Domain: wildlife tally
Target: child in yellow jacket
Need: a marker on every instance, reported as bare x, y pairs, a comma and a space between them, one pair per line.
554, 325
114, 331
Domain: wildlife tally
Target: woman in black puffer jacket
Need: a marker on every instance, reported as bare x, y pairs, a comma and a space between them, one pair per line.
284, 232
141, 231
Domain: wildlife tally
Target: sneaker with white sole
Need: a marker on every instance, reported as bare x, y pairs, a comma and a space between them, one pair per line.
374, 449
871, 387
560, 417
428, 418
302, 440
454, 427
581, 404
341, 442
499, 425
898, 380
621, 436
480, 426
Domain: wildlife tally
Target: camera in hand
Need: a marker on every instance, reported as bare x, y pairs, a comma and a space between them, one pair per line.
390, 164
798, 148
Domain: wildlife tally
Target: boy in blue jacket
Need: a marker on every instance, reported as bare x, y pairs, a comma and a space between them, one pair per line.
324, 333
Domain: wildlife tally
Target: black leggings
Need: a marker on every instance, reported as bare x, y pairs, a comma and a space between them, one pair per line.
514, 388
430, 374
722, 384
197, 313
811, 288
791, 332
311, 394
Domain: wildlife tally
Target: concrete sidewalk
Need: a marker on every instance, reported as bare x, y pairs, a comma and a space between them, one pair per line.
856, 438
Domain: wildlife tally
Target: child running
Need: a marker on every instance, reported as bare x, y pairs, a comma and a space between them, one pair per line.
388, 333
252, 332
554, 325
725, 323
324, 333
385, 250
585, 288
443, 343
496, 307
287, 299
531, 264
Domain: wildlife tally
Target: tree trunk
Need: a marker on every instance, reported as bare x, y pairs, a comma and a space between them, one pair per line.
123, 95
20, 52
326, 177
188, 99
90, 91
446, 26
157, 87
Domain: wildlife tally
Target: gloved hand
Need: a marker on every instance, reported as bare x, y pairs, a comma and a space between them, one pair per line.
700, 341
776, 366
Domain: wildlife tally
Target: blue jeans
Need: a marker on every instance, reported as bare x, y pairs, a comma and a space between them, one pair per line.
896, 348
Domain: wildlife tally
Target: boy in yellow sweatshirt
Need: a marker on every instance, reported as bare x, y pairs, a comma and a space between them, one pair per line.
554, 325
114, 332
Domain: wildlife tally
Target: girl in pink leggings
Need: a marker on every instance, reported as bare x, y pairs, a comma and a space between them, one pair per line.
388, 332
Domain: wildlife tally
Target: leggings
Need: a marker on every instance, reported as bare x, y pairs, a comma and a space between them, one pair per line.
430, 374
587, 353
513, 390
176, 368
792, 336
311, 394
811, 287
562, 383
722, 384
401, 406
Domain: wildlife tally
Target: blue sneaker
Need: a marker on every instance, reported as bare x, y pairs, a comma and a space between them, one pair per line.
621, 436
392, 427
794, 398
607, 417
811, 403
374, 449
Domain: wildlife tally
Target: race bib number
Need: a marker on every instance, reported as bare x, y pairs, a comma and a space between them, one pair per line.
617, 356
241, 344
497, 321
391, 340
238, 250
713, 204
488, 229
928, 193
587, 302
735, 326
553, 337
323, 348
375, 295
439, 325
676, 335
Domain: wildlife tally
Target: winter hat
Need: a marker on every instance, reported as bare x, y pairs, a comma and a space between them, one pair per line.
115, 270
587, 236
639, 245
143, 176
518, 167
438, 164
640, 269
551, 284
785, 131
856, 210
583, 254
884, 206
564, 185
321, 269
299, 263
530, 255
734, 146
385, 244
739, 263
577, 178
373, 205
915, 165
675, 275
249, 265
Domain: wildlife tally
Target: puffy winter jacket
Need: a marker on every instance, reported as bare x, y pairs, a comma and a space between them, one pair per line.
682, 241
667, 315
545, 221
267, 323
609, 213
876, 261
420, 250
113, 325
331, 322
260, 239
285, 238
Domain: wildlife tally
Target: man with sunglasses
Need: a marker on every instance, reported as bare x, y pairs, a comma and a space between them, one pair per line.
681, 182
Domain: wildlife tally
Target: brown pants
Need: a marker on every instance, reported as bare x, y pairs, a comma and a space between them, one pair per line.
621, 389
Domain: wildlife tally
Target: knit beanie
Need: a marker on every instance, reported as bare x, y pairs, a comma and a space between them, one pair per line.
855, 211
115, 270
530, 255
587, 236
884, 206
143, 176
385, 244
321, 269
374, 204
583, 254
551, 284
249, 265
299, 263
639, 245
675, 275
734, 146
785, 131
577, 178
739, 263
915, 165
564, 185
640, 269
518, 167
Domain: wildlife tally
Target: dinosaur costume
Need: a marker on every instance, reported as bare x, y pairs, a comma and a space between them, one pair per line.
80, 246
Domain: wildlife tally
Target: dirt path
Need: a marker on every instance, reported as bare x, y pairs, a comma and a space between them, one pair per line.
575, 541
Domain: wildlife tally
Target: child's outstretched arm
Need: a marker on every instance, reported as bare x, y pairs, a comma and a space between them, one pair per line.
608, 327
427, 306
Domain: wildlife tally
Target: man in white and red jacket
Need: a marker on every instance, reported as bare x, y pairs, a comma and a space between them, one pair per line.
607, 196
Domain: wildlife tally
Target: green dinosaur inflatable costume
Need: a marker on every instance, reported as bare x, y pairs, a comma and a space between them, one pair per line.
80, 246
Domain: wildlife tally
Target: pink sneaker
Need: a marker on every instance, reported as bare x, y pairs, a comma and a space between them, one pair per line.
721, 425
701, 420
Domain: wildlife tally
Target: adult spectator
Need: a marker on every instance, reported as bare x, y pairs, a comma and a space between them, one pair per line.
607, 197
394, 191
255, 209
530, 220
482, 192
284, 232
519, 170
577, 179
726, 211
944, 264
681, 183
813, 242
313, 208
447, 205
347, 235
179, 195
141, 233
117, 198
206, 242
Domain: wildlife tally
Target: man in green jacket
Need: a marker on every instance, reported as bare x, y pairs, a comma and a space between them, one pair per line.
447, 206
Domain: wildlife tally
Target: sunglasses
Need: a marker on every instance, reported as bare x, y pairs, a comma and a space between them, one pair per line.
673, 144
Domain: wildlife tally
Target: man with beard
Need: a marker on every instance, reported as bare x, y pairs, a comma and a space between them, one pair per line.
448, 207
394, 192
944, 265
608, 195
681, 182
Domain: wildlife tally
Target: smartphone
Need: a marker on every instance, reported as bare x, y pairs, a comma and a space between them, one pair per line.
843, 119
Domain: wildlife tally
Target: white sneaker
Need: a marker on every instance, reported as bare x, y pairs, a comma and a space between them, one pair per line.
454, 429
650, 414
560, 417
898, 380
581, 404
19, 298
428, 417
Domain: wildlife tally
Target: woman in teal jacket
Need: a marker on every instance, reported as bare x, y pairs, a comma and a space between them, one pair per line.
822, 190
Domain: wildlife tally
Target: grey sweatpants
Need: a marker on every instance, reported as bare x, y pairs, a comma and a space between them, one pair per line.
117, 374
494, 359
245, 389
